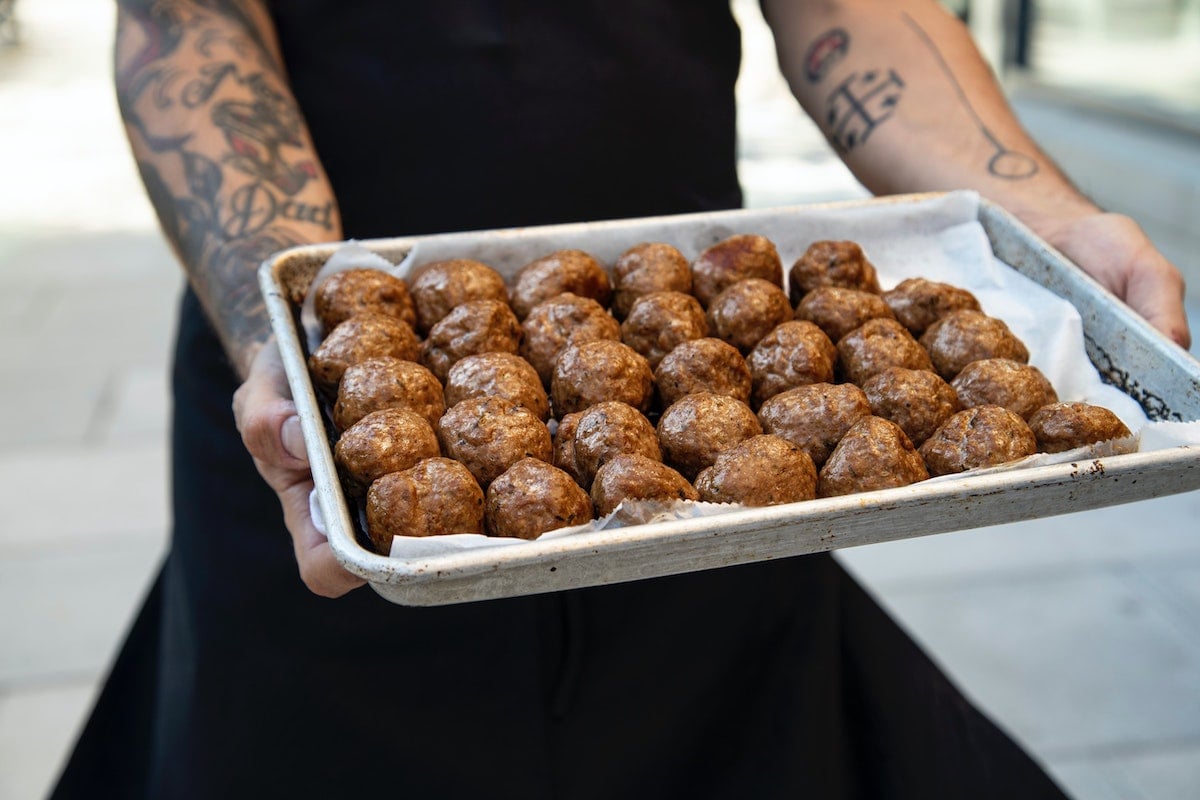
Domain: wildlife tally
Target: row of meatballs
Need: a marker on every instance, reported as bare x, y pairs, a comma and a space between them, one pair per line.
708, 343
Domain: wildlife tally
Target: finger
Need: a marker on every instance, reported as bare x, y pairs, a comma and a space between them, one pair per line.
319, 567
266, 418
1158, 296
323, 575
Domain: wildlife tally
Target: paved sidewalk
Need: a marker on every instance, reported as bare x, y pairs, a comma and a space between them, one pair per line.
1078, 633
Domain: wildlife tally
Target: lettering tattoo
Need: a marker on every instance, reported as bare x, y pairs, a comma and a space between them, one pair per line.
859, 105
1004, 163
829, 48
225, 202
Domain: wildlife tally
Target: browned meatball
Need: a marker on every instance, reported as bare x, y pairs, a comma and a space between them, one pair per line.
562, 271
360, 339
739, 257
876, 345
1004, 382
387, 383
831, 263
441, 285
796, 353
609, 428
838, 310
381, 442
563, 320
761, 471
564, 447
593, 372
695, 430
874, 454
437, 496
746, 311
814, 417
479, 326
1065, 426
702, 365
964, 336
631, 476
918, 303
917, 400
355, 291
502, 375
659, 321
978, 437
533, 497
488, 435
645, 268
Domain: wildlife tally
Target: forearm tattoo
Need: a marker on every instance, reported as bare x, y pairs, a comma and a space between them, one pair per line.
1004, 163
864, 100
227, 201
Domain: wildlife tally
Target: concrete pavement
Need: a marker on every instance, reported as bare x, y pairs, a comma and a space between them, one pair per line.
1077, 633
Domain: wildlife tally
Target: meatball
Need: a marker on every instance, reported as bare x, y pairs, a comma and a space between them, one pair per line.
874, 454
381, 442
796, 353
360, 339
532, 497
562, 271
696, 429
437, 496
838, 310
645, 268
814, 417
877, 345
964, 336
761, 471
1065, 426
746, 311
479, 326
593, 372
702, 365
918, 303
831, 263
630, 476
978, 437
917, 400
440, 286
609, 428
387, 383
564, 447
1004, 382
659, 321
488, 435
502, 375
739, 257
355, 291
563, 320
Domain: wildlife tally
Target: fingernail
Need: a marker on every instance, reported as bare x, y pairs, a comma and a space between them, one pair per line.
293, 438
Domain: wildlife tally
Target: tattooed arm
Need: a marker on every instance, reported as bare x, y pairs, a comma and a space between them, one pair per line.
903, 95
222, 149
231, 171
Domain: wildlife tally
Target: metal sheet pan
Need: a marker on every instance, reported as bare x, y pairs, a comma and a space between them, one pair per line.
1162, 377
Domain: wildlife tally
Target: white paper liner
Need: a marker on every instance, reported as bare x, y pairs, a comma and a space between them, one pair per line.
939, 239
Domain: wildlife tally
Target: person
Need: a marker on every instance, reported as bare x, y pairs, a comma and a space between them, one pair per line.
260, 125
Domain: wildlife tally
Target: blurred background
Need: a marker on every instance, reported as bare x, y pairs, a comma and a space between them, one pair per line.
1080, 634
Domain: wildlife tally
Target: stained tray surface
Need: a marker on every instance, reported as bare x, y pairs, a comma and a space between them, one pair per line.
1157, 378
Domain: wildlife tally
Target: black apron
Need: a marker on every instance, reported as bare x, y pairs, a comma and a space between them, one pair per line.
781, 679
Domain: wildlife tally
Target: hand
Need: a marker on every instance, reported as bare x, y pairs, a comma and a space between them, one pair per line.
1115, 251
266, 418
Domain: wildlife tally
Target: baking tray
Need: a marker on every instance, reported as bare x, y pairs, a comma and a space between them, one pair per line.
1128, 353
